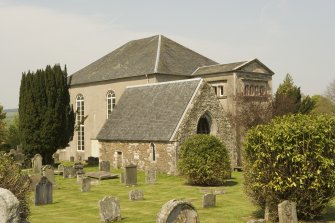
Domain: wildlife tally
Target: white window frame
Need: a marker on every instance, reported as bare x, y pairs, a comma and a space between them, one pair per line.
80, 116
110, 102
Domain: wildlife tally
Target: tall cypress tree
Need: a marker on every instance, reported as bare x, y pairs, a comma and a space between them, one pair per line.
46, 116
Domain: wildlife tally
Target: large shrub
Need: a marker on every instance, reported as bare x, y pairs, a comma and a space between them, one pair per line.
292, 158
13, 179
204, 160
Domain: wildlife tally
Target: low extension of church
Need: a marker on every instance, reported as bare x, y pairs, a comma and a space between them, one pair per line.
137, 104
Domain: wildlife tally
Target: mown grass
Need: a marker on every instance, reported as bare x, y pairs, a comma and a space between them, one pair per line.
71, 205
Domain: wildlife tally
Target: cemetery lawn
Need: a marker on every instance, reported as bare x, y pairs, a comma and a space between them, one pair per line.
71, 205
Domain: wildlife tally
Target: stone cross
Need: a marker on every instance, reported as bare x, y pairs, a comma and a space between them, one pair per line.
104, 166
135, 195
208, 200
43, 192
177, 211
37, 163
130, 175
150, 176
287, 212
109, 209
86, 184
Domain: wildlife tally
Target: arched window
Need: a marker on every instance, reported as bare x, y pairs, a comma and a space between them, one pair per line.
80, 107
153, 150
111, 99
252, 90
204, 126
246, 90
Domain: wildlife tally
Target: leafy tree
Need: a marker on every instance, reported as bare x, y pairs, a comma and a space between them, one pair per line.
13, 134
46, 117
288, 99
323, 105
330, 92
204, 160
291, 158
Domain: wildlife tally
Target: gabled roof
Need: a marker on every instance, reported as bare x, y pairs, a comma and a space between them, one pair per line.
149, 112
156, 54
230, 67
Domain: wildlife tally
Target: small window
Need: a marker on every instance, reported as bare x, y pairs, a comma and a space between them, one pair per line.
153, 151
111, 100
221, 92
215, 90
203, 126
246, 90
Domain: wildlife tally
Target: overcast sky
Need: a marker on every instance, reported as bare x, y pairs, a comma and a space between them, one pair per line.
288, 36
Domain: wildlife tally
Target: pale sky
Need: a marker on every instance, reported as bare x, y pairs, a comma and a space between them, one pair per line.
288, 36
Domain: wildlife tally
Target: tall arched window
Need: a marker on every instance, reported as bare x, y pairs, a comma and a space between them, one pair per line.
204, 126
80, 122
153, 150
111, 99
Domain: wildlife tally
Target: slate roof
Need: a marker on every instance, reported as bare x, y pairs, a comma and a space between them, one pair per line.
149, 112
219, 68
156, 54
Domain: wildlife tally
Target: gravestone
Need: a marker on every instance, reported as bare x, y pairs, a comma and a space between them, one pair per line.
48, 172
36, 162
135, 195
104, 166
71, 158
34, 179
130, 177
150, 176
43, 192
208, 200
55, 157
287, 212
69, 172
9, 207
122, 177
86, 184
90, 160
79, 169
109, 209
177, 211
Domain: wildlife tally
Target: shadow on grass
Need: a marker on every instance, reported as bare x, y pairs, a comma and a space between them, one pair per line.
259, 213
230, 183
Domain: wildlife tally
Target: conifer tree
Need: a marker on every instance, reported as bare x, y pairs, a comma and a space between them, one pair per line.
2, 125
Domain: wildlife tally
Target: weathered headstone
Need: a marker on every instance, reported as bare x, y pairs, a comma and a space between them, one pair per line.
43, 192
135, 195
287, 212
90, 160
79, 168
130, 177
109, 209
150, 176
55, 157
34, 179
37, 163
208, 200
48, 172
69, 172
86, 184
177, 211
9, 207
71, 158
104, 166
122, 177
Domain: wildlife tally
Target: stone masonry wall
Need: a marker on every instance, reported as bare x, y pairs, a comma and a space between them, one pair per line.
141, 155
206, 102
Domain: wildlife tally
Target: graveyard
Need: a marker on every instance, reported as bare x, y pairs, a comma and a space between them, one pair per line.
70, 204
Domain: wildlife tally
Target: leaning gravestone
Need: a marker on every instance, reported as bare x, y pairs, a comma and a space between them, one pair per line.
36, 162
287, 212
150, 176
69, 172
104, 166
86, 184
43, 192
109, 209
208, 200
9, 207
177, 211
48, 172
135, 195
130, 177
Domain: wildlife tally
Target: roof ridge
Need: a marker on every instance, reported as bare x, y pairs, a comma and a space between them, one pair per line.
159, 43
165, 82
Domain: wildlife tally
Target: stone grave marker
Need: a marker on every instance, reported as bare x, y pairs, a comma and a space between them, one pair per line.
130, 177
79, 170
43, 192
287, 212
34, 179
109, 209
208, 200
122, 177
69, 172
90, 160
177, 211
104, 166
37, 163
150, 176
86, 184
71, 158
55, 157
9, 207
48, 172
135, 195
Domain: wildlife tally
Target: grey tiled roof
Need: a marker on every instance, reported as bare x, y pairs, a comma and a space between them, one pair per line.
156, 54
219, 68
149, 112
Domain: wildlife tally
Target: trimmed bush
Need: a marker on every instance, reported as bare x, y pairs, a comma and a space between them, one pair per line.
204, 160
292, 158
13, 179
